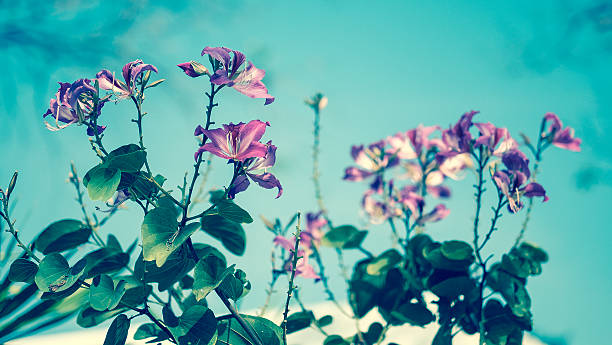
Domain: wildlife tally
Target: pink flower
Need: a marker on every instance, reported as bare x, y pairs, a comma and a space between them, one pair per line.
237, 142
559, 136
302, 268
131, 71
370, 160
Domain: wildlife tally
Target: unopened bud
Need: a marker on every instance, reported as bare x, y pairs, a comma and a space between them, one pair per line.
11, 185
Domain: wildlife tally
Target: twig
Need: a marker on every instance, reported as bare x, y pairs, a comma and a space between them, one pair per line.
296, 257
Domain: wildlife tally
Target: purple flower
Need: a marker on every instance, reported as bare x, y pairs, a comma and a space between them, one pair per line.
302, 268
227, 63
237, 142
511, 181
73, 103
458, 138
370, 160
256, 169
130, 71
437, 214
496, 140
411, 144
314, 225
559, 136
377, 211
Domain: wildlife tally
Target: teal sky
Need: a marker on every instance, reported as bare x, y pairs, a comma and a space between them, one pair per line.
385, 66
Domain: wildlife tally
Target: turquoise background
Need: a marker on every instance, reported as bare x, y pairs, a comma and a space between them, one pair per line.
385, 66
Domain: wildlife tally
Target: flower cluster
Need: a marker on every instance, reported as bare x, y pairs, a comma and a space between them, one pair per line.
431, 155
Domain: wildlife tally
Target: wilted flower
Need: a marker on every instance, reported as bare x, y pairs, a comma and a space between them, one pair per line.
237, 142
511, 181
559, 136
256, 169
73, 103
247, 81
130, 71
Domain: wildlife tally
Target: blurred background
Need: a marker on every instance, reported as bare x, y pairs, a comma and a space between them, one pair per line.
385, 67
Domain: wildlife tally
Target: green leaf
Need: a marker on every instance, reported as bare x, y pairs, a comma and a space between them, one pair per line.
197, 325
150, 330
453, 286
299, 321
54, 274
229, 210
335, 340
415, 314
118, 331
233, 287
161, 235
373, 333
456, 250
62, 235
127, 158
105, 260
88, 317
208, 274
103, 183
22, 270
325, 321
267, 331
344, 237
168, 316
104, 294
434, 255
231, 234
382, 263
176, 267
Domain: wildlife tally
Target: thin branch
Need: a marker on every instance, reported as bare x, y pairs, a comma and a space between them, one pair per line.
296, 257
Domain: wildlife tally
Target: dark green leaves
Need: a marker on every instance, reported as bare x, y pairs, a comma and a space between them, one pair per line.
451, 255
89, 317
104, 294
54, 274
209, 272
235, 286
102, 182
127, 158
161, 235
231, 234
62, 235
197, 325
230, 211
118, 331
150, 330
22, 270
382, 263
344, 237
106, 260
299, 321
268, 332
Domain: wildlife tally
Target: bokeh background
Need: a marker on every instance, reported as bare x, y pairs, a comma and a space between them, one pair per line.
385, 66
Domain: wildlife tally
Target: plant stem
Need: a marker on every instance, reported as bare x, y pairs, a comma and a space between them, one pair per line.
138, 103
291, 279
315, 161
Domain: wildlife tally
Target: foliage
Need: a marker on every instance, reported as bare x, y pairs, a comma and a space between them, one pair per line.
163, 272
